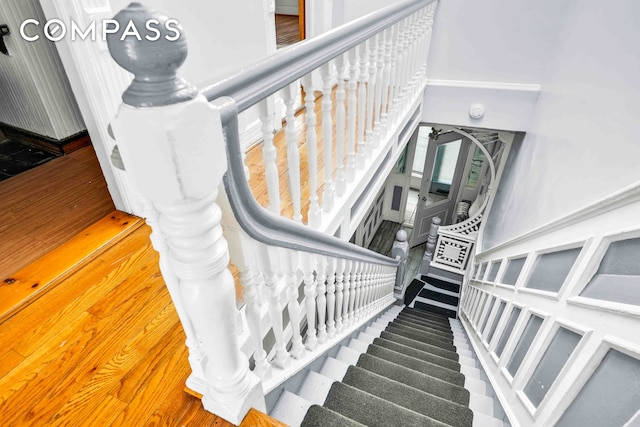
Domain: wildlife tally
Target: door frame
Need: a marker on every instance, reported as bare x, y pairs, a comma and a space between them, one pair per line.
443, 208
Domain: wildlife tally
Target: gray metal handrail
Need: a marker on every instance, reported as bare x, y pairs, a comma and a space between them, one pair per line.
271, 74
266, 227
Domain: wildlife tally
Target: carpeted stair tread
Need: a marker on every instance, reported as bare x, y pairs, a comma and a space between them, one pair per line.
417, 380
422, 355
420, 336
426, 314
438, 296
446, 335
401, 339
412, 290
450, 312
371, 410
416, 364
424, 403
423, 322
442, 284
317, 416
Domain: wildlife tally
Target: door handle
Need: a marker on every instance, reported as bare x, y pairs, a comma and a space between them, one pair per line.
4, 31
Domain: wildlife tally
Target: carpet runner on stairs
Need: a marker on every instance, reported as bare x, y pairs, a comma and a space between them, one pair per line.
401, 370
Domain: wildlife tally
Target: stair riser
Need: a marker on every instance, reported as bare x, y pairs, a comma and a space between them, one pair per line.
438, 296
447, 286
430, 369
441, 326
437, 317
438, 351
435, 309
426, 328
416, 380
423, 355
421, 337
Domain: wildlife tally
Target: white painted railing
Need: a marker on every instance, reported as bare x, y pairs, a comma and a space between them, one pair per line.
368, 78
304, 290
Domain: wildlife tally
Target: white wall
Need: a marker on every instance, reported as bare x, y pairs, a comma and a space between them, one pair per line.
494, 40
582, 141
348, 10
287, 7
222, 36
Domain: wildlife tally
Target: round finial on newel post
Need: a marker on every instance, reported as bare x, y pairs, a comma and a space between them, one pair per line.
152, 47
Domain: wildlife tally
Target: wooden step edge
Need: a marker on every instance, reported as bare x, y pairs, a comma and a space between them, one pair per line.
27, 285
254, 417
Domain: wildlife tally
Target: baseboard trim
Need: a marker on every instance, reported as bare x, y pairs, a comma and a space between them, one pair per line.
56, 146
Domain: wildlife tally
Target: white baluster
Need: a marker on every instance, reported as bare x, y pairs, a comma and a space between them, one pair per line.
353, 283
340, 293
331, 297
312, 153
395, 65
328, 195
340, 126
362, 106
400, 69
377, 282
291, 266
347, 301
269, 154
290, 94
377, 115
363, 290
267, 258
241, 250
352, 118
308, 266
321, 298
413, 36
371, 93
382, 278
359, 285
407, 64
368, 288
386, 82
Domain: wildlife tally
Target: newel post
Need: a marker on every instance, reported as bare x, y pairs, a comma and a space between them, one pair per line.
431, 245
171, 143
400, 250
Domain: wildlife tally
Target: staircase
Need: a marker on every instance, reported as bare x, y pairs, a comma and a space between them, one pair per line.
406, 368
438, 292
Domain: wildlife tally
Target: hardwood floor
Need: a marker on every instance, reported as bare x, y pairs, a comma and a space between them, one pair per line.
287, 30
104, 348
46, 206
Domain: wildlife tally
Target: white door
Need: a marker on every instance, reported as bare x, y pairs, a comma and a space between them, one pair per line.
443, 167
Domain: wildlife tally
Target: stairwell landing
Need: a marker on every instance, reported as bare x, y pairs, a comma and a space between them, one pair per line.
408, 367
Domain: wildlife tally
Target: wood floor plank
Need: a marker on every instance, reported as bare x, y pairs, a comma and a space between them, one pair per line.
46, 206
142, 387
23, 287
31, 329
123, 323
256, 418
114, 333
